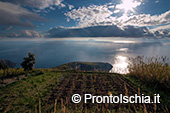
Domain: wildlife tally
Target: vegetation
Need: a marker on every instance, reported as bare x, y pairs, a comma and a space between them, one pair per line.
28, 63
50, 90
154, 70
24, 93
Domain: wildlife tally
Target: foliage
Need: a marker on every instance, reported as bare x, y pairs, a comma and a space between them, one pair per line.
153, 70
28, 63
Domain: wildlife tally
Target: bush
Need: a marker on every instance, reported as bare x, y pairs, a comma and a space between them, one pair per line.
152, 70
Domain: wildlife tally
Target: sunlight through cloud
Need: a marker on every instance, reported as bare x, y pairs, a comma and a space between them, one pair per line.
128, 5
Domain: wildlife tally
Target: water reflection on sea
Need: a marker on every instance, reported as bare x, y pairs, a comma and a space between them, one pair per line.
53, 52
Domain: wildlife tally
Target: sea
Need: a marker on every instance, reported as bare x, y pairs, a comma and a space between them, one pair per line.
52, 52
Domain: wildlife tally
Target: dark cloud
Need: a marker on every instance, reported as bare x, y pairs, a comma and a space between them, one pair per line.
95, 31
38, 4
101, 31
132, 31
162, 33
8, 28
15, 15
22, 34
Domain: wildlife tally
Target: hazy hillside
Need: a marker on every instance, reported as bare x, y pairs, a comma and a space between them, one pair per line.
86, 66
6, 64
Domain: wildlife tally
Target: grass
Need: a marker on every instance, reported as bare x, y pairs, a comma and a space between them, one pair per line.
154, 70
50, 90
25, 91
149, 89
151, 75
11, 72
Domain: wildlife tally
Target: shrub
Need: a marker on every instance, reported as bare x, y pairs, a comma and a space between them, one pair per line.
152, 70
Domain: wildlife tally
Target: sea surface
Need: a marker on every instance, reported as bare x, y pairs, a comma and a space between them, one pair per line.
53, 52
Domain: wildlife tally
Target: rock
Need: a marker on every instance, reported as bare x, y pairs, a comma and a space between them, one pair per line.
6, 64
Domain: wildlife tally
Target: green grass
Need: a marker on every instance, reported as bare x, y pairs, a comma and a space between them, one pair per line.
25, 91
11, 72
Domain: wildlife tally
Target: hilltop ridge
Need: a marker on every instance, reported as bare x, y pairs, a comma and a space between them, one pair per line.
86, 66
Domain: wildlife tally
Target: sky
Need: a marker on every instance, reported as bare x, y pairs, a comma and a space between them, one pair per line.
35, 18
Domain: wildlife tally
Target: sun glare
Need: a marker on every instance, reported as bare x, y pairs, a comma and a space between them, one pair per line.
128, 5
120, 65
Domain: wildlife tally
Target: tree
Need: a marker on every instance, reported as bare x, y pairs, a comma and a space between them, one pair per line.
28, 63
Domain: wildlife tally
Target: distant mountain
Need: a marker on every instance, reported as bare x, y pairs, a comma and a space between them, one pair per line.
6, 64
86, 66
101, 31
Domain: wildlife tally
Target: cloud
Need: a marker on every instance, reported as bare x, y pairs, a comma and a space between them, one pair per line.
117, 11
161, 27
38, 4
101, 31
128, 5
132, 31
107, 31
8, 28
70, 7
22, 34
30, 34
91, 15
95, 15
15, 15
156, 1
147, 19
13, 34
8, 35
162, 33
